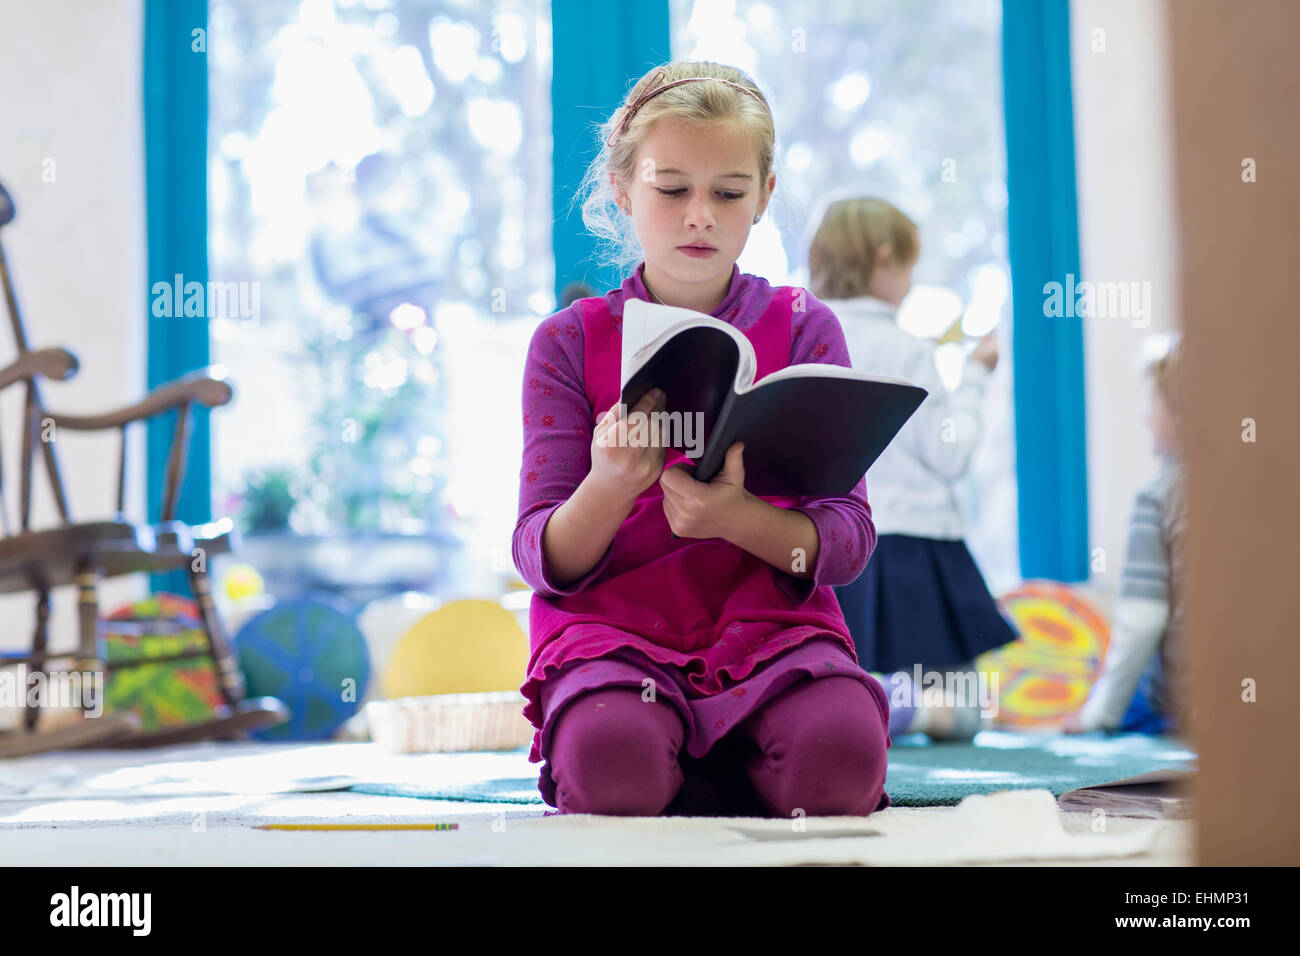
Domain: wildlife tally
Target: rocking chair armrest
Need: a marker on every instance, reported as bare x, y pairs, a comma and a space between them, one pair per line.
55, 363
207, 387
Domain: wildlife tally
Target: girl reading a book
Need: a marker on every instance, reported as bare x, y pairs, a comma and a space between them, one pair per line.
921, 600
688, 653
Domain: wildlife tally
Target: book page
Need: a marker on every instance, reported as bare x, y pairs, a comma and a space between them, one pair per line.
643, 322
819, 369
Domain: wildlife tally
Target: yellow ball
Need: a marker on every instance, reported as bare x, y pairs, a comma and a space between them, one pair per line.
241, 581
464, 647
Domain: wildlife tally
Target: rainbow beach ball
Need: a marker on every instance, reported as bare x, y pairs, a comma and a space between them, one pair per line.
1045, 674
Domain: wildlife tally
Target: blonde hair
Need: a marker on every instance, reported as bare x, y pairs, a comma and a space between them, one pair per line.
842, 253
616, 239
1166, 374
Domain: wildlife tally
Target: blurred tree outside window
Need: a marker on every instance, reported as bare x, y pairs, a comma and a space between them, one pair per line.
380, 171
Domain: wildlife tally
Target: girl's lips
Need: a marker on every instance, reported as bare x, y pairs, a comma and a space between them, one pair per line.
698, 252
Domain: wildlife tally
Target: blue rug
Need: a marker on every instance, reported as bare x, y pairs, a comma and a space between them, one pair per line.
921, 773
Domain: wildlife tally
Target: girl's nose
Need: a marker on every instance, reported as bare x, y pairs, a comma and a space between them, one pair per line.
699, 213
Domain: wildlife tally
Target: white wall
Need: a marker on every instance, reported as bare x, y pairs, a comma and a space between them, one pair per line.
1126, 231
70, 95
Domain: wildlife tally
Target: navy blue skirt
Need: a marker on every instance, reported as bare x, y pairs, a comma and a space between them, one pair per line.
921, 601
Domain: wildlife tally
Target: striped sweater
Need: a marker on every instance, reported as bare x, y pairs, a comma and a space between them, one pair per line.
1145, 645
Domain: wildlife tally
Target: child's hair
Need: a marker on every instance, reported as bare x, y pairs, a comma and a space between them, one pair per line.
1167, 376
685, 102
842, 253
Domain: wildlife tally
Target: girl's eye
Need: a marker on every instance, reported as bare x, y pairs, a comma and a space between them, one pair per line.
680, 190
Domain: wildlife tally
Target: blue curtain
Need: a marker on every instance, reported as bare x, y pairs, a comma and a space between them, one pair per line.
600, 48
176, 196
1042, 221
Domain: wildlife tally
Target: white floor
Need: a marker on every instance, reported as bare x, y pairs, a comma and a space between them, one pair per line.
199, 805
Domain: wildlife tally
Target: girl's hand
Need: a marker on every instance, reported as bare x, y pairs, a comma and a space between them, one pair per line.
622, 468
696, 509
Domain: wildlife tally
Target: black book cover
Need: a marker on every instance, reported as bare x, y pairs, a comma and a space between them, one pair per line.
809, 429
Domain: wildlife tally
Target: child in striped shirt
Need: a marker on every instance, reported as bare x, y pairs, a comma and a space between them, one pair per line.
1141, 688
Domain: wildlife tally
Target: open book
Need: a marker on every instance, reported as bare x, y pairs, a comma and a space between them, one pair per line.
1159, 793
808, 429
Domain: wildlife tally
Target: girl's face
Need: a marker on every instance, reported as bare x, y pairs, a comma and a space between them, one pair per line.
694, 183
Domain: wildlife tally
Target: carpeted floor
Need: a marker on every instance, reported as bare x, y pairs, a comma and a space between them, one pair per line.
163, 807
921, 773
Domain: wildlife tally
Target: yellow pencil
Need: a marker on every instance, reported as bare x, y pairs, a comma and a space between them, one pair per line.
358, 826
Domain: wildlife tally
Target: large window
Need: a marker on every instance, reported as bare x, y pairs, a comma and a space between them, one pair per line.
380, 180
380, 177
902, 101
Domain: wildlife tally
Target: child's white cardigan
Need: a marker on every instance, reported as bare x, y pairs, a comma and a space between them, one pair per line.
910, 485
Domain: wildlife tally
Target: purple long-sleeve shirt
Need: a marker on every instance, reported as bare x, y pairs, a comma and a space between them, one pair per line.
558, 423
706, 607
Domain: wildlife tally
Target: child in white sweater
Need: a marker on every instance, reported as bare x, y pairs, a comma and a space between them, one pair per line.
921, 599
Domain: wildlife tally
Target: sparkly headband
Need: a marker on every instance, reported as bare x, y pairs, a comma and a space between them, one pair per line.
652, 89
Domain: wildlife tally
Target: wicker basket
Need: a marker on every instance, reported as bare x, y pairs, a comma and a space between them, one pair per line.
450, 722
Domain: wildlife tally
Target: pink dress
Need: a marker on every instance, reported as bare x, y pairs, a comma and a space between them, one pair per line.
732, 629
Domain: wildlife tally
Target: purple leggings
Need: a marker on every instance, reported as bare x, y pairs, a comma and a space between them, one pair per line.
817, 747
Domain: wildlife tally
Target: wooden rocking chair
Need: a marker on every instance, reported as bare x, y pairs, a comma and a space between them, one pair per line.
87, 552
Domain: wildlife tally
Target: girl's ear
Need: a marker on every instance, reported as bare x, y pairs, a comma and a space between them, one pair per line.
767, 198
884, 254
